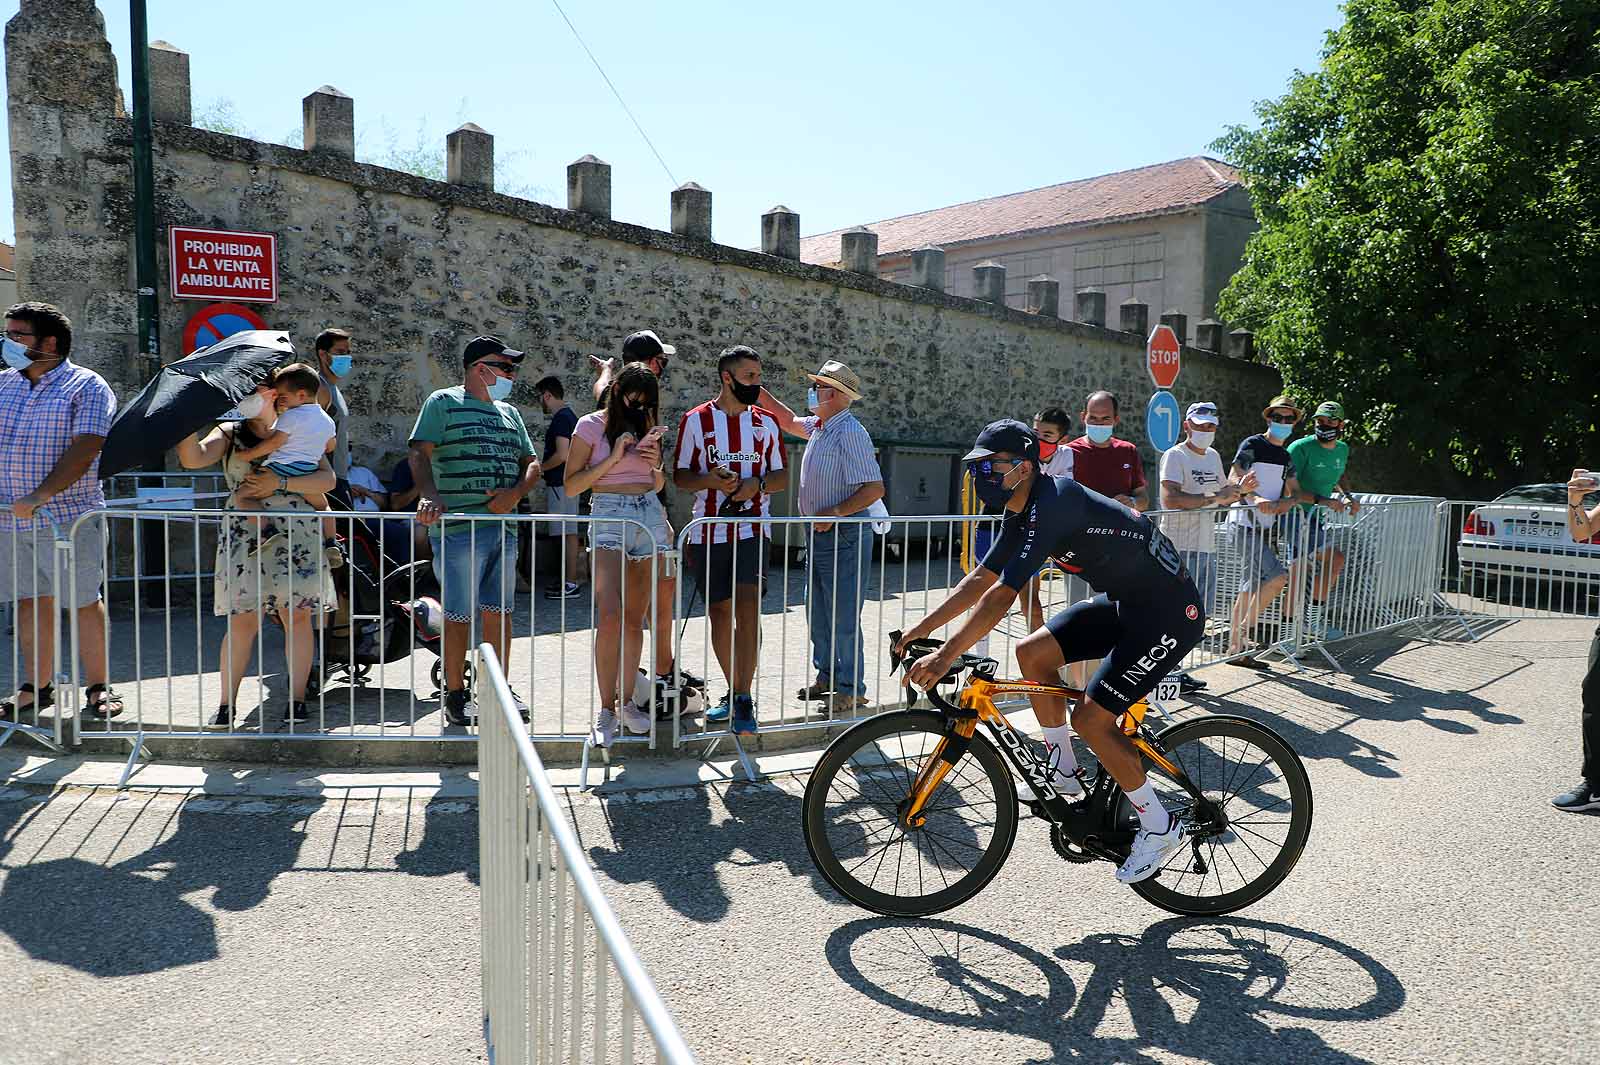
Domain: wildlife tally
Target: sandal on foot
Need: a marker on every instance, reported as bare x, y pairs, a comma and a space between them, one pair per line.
101, 702
43, 698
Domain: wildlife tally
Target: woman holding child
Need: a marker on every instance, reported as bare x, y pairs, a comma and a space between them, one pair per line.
267, 564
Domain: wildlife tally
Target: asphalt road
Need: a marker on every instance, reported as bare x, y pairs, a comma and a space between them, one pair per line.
1443, 912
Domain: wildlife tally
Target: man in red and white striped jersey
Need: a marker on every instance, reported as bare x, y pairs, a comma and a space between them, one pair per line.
731, 456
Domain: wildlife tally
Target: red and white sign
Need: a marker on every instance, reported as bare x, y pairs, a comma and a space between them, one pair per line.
1161, 356
218, 264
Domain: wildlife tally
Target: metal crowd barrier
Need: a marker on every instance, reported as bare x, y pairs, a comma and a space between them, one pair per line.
1514, 558
376, 633
180, 555
561, 982
379, 649
38, 653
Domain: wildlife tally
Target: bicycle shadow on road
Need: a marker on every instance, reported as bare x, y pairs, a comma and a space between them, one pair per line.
1204, 989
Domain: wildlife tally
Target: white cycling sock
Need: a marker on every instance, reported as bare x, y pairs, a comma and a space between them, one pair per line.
1058, 741
1153, 817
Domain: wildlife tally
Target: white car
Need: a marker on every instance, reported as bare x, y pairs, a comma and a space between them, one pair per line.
1522, 535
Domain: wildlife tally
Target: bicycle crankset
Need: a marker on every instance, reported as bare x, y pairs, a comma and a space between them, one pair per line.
1067, 849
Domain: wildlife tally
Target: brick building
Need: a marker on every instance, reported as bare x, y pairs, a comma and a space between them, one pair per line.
1169, 235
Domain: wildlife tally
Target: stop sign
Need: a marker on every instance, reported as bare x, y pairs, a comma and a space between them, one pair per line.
1161, 356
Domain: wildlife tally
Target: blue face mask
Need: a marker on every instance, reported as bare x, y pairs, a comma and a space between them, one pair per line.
1098, 434
812, 402
340, 365
15, 354
1279, 431
500, 387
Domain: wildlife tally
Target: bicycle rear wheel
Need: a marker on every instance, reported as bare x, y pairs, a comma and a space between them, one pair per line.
852, 827
1262, 796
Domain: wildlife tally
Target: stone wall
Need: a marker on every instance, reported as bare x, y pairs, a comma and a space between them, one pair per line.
416, 267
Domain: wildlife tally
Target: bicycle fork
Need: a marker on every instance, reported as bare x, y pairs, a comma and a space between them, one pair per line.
952, 747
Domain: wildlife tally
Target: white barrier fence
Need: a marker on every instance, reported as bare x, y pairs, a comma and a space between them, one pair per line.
826, 599
1515, 558
561, 982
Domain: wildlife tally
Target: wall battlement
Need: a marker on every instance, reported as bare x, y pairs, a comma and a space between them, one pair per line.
415, 267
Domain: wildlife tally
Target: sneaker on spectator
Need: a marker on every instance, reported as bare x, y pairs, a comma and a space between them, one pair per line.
222, 719
459, 709
569, 590
1188, 685
604, 732
722, 710
1585, 796
297, 712
635, 720
744, 715
518, 702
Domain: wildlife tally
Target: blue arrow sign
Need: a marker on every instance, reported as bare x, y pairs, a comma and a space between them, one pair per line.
1163, 421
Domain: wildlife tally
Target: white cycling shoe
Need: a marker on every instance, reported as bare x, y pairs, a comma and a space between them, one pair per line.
1150, 851
1070, 787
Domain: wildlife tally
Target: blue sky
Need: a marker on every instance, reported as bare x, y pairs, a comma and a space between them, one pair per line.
846, 112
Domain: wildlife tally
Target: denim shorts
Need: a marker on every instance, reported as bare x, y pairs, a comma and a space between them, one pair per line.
1316, 534
469, 561
617, 521
1258, 562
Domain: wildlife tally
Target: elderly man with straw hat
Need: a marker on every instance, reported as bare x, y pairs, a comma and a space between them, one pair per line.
839, 478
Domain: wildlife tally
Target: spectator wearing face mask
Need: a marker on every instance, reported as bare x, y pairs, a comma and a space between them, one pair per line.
1319, 467
334, 363
1193, 480
471, 453
1103, 463
1050, 426
1265, 475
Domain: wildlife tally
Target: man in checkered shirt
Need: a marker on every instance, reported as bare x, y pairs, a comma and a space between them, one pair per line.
54, 418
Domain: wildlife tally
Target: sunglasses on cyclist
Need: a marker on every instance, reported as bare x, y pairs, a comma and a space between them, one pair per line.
985, 468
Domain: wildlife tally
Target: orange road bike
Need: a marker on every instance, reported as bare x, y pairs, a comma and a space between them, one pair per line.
914, 811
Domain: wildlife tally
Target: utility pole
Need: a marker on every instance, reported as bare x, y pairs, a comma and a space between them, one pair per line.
144, 196
148, 359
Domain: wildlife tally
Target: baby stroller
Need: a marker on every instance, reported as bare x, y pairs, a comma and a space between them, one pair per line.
386, 610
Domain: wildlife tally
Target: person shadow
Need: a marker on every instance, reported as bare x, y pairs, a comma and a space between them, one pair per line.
762, 826
131, 917
449, 842
1210, 989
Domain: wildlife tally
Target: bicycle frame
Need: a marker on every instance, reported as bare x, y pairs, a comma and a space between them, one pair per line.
976, 703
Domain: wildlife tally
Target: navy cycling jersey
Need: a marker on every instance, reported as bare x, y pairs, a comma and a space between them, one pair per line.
1115, 548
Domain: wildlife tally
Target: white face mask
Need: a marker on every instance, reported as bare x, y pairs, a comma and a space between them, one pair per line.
252, 405
1201, 440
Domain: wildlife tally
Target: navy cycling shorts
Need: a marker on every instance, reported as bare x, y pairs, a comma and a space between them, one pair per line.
1141, 642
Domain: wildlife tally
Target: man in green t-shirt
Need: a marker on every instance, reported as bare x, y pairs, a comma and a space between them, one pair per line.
1319, 467
471, 454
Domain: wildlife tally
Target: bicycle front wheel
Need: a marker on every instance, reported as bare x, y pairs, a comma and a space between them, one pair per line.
852, 817
1258, 825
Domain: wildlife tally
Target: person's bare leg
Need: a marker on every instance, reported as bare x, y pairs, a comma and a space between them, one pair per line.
496, 629
572, 559
457, 634
608, 624
1297, 594
36, 632
299, 636
237, 648
1098, 727
746, 635
1328, 579
1040, 660
661, 628
92, 642
635, 605
721, 615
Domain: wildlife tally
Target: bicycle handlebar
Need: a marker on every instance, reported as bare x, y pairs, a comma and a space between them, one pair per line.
918, 648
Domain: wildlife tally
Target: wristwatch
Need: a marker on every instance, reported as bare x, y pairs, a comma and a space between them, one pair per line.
761, 484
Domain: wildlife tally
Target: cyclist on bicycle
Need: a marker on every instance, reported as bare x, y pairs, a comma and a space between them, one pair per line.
1147, 616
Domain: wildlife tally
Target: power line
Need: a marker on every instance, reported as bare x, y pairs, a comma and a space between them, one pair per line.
615, 93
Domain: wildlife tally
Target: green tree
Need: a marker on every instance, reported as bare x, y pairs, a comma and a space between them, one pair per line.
1428, 252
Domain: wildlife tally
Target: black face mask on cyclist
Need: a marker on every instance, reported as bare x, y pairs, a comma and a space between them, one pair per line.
990, 484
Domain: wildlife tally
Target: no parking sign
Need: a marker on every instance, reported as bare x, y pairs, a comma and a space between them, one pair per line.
217, 321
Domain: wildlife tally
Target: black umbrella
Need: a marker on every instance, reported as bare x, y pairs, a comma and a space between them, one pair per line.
190, 394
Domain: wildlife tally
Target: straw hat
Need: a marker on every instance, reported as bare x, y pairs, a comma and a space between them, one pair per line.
1283, 401
836, 374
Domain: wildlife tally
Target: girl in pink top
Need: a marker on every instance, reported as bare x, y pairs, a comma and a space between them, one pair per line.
617, 453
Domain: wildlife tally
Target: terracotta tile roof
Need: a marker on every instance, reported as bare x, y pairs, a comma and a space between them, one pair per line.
1148, 190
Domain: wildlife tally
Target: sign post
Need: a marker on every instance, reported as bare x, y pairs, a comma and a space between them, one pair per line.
1162, 355
217, 264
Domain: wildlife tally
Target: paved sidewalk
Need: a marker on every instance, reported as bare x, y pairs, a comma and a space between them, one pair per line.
230, 913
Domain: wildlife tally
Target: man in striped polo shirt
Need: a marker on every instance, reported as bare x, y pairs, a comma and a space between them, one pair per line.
839, 478
731, 456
